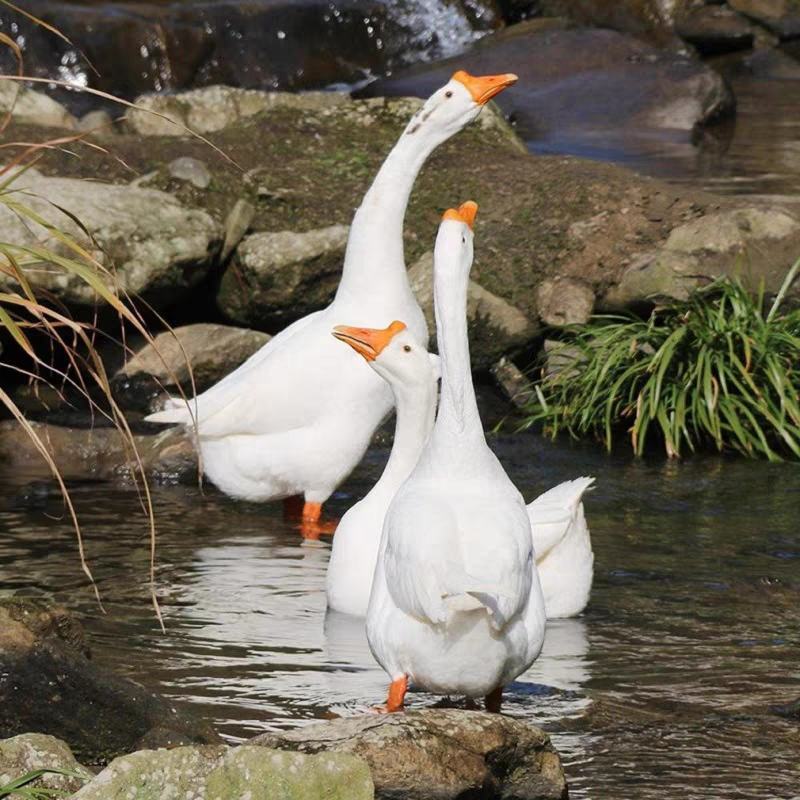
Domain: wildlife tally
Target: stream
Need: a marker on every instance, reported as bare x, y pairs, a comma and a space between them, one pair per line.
665, 688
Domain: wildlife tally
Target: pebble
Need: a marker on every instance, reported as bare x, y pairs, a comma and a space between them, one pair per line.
191, 170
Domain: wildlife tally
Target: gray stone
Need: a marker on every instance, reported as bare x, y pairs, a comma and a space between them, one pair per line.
99, 453
33, 108
439, 754
191, 170
212, 351
495, 326
561, 357
237, 223
714, 29
231, 773
100, 122
283, 275
48, 685
755, 244
27, 752
158, 247
512, 380
216, 107
564, 301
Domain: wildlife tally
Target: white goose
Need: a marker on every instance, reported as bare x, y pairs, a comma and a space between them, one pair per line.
561, 539
297, 416
456, 606
412, 374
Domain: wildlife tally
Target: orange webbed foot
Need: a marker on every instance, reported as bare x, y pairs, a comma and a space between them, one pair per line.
396, 698
311, 527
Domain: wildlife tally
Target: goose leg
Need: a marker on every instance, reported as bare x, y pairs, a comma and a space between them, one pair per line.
494, 700
397, 694
293, 507
310, 525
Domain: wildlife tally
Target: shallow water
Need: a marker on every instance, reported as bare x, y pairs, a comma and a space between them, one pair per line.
663, 689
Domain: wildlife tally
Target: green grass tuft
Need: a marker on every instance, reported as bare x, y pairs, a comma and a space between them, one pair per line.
717, 371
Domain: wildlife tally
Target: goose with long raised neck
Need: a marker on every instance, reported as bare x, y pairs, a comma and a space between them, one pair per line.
456, 606
294, 420
561, 539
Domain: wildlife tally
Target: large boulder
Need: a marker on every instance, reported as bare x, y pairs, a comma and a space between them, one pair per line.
495, 326
754, 244
98, 453
584, 90
282, 275
439, 754
29, 752
149, 243
211, 350
230, 773
47, 685
287, 44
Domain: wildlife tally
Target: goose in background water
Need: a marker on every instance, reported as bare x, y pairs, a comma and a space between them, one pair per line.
294, 420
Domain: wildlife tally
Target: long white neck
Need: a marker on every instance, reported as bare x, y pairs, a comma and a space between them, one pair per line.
375, 261
416, 411
458, 419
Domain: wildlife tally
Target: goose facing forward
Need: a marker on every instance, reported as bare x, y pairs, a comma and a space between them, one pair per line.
561, 540
297, 416
456, 607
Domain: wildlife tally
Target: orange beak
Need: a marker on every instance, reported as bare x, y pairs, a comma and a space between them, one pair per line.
369, 342
466, 213
485, 87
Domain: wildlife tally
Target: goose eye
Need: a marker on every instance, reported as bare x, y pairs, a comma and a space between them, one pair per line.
407, 348
463, 240
448, 93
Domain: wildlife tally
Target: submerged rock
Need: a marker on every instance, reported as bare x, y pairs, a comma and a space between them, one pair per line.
230, 773
212, 351
715, 29
781, 17
28, 752
283, 275
495, 326
47, 685
151, 244
441, 754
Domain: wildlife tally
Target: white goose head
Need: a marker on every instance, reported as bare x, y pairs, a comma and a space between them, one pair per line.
453, 251
456, 104
392, 352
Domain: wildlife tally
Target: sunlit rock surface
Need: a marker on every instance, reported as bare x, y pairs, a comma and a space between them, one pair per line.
444, 754
23, 754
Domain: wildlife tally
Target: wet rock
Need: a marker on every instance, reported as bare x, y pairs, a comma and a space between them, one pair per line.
560, 357
98, 453
216, 107
441, 754
158, 247
767, 64
190, 170
282, 275
265, 44
27, 752
212, 351
231, 773
653, 19
33, 108
564, 301
756, 244
788, 710
47, 685
495, 326
584, 89
714, 30
781, 17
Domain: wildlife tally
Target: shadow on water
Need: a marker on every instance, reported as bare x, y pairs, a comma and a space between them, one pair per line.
663, 689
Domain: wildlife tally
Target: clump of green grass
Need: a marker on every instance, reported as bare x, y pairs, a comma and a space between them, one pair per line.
24, 785
717, 371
